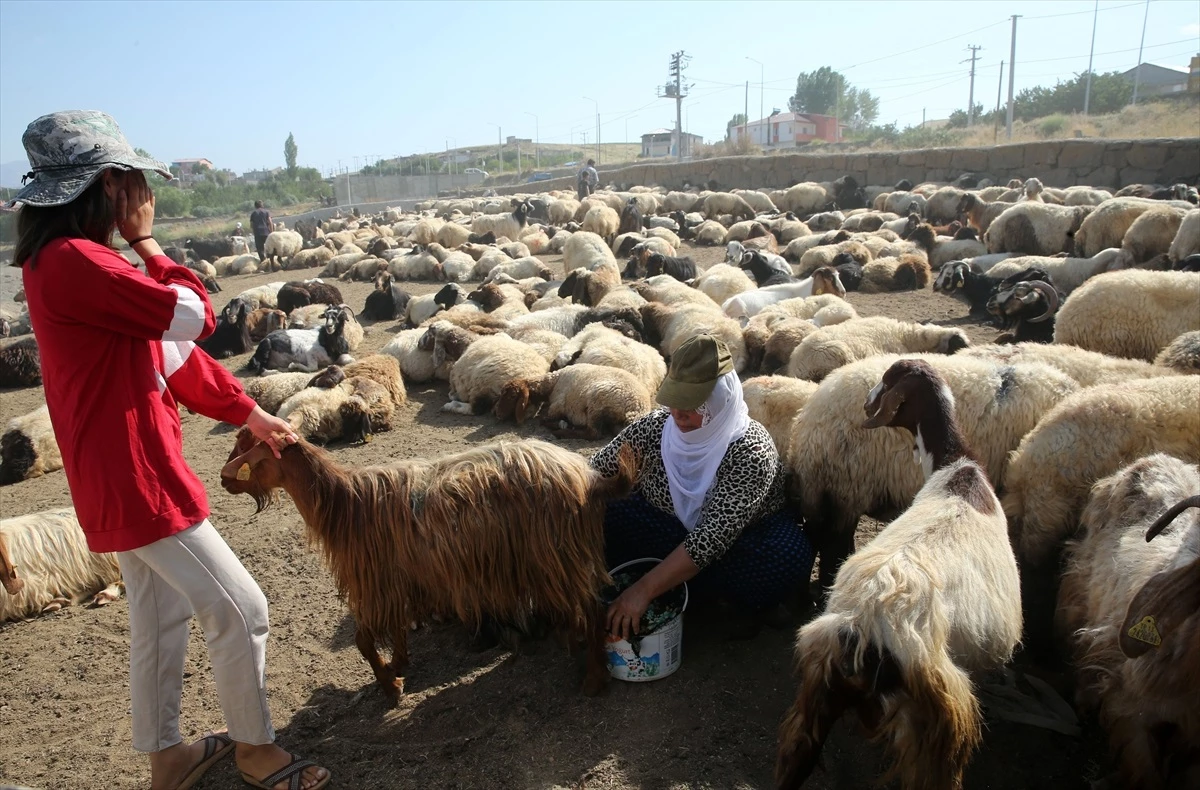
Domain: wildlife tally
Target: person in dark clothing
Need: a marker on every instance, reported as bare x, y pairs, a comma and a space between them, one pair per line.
588, 180
260, 226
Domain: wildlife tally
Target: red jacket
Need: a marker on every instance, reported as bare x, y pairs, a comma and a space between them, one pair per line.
116, 355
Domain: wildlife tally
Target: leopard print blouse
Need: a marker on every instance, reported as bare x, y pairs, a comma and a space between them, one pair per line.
748, 486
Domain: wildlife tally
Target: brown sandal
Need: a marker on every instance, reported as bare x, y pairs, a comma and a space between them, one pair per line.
216, 746
292, 772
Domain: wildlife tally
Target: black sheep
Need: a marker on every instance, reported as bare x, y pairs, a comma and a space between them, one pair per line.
20, 364
231, 335
682, 268
299, 294
848, 194
631, 218
211, 249
482, 238
849, 270
387, 301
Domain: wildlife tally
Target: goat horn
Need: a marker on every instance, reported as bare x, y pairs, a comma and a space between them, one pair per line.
1051, 294
1166, 518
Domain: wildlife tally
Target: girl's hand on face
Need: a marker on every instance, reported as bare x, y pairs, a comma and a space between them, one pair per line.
134, 207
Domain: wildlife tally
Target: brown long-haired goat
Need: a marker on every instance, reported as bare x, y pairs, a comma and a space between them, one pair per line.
511, 531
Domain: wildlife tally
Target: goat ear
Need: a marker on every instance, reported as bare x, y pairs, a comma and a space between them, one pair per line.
241, 467
522, 404
889, 404
1163, 604
439, 353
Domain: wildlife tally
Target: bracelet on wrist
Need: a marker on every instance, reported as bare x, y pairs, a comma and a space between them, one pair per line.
140, 239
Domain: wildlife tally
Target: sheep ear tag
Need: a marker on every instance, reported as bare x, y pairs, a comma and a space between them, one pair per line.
1146, 630
243, 472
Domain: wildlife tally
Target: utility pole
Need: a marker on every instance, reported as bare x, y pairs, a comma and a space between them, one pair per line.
1137, 73
537, 133
999, 88
971, 101
1087, 91
1012, 68
760, 84
593, 101
746, 109
677, 90
500, 148
922, 117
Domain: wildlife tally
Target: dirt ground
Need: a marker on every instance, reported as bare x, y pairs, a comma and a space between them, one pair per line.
469, 719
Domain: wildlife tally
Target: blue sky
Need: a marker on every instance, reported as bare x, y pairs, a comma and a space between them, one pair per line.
229, 81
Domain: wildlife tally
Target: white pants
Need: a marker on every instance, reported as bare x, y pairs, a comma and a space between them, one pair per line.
165, 582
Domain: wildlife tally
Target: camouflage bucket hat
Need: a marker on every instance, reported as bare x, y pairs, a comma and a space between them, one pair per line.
67, 150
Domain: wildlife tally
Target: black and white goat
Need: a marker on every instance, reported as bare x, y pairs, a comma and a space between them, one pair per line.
766, 268
682, 268
935, 595
1027, 310
306, 350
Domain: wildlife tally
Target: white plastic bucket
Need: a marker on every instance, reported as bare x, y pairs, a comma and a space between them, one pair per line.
658, 655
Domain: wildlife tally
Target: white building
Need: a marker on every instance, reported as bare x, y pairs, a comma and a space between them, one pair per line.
660, 142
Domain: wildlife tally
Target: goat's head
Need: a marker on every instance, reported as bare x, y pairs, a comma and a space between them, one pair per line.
567, 289
735, 254
236, 311
951, 277
489, 296
383, 281
328, 378
1033, 187
654, 264
253, 469
1166, 601
1034, 301
449, 296
908, 389
336, 316
513, 401
826, 280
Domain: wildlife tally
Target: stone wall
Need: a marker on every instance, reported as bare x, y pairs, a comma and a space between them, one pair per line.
1101, 163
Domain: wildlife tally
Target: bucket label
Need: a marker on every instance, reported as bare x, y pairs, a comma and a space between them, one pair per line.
635, 666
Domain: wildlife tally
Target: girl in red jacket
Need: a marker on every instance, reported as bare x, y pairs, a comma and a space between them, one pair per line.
118, 353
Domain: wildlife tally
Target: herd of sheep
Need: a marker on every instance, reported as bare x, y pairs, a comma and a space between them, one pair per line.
1053, 450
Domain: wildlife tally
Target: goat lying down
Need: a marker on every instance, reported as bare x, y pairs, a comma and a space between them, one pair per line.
934, 595
510, 531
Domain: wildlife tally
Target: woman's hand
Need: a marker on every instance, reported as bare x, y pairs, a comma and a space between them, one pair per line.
277, 433
625, 614
135, 207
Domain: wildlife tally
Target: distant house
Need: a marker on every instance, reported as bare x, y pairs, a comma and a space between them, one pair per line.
788, 129
1157, 80
1194, 75
661, 142
513, 140
258, 176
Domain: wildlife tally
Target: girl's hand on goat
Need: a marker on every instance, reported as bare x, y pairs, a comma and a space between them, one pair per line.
625, 614
268, 428
135, 207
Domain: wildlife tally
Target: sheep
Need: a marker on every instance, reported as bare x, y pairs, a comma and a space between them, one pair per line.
515, 249
45, 565
766, 268
907, 272
719, 203
600, 344
562, 210
602, 221
825, 221
1151, 234
757, 200
668, 326
709, 233
387, 301
1067, 274
270, 392
261, 296
941, 251
451, 235
1085, 196
586, 250
1087, 368
341, 263
745, 305
20, 364
262, 322
426, 229
1187, 238
630, 220
722, 282
544, 341
353, 409
760, 334
526, 520
519, 268
822, 255
309, 349
776, 402
933, 596
501, 301
1128, 604
1131, 313
943, 205
666, 235
1107, 224
384, 370
1104, 428
804, 198
504, 224
28, 448
681, 268
299, 293
787, 228
416, 363
308, 317
485, 367
1037, 229
1183, 354
997, 404
280, 245
589, 287
584, 401
834, 346
417, 263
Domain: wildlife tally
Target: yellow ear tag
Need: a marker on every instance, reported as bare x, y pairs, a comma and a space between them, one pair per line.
243, 473
1145, 630
367, 438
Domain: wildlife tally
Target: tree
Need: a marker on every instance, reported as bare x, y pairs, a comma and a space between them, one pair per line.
736, 120
826, 92
958, 118
289, 155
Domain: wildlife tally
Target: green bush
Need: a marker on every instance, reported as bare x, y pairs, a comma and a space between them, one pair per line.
171, 202
1052, 125
205, 212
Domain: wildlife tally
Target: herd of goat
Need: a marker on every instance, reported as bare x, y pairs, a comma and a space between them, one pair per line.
1044, 479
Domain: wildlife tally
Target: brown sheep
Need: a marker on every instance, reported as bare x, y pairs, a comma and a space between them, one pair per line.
510, 531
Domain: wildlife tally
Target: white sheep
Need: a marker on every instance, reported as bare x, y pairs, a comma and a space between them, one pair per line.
933, 596
1133, 313
721, 203
671, 325
269, 392
28, 447
418, 263
508, 225
603, 221
597, 344
452, 234
1107, 223
562, 211
586, 250
262, 295
1152, 233
1087, 436
479, 375
709, 233
723, 282
520, 268
53, 567
1067, 274
1037, 229
1088, 368
1182, 355
416, 364
746, 305
1128, 606
842, 471
1187, 238
352, 408
280, 245
831, 347
803, 199
583, 401
776, 402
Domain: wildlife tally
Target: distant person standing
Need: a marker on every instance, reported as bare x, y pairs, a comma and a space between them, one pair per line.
588, 179
260, 226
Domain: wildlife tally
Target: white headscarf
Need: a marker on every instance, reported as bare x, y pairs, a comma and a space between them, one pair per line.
691, 458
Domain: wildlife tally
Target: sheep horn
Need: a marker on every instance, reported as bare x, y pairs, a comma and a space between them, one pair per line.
1166, 518
1052, 301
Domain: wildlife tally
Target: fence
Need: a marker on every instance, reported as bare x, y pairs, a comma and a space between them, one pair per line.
353, 189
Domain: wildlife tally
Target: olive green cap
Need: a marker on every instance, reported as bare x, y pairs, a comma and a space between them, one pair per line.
695, 367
